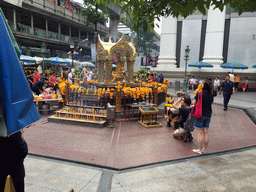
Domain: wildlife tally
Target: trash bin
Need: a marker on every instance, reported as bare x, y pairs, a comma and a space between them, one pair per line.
111, 112
177, 85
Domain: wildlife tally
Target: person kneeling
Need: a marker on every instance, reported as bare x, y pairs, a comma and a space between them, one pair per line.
184, 110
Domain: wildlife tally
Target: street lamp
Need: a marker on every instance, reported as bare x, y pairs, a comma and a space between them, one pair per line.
96, 41
72, 46
76, 46
186, 58
43, 48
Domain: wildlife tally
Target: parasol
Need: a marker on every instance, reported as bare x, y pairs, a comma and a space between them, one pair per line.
57, 60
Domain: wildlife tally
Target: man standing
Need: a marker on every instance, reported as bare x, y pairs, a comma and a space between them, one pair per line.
70, 77
52, 81
161, 78
227, 86
237, 80
193, 82
36, 76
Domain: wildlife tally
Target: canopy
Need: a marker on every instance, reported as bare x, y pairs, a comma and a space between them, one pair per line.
233, 66
16, 97
56, 60
254, 66
74, 61
87, 64
27, 59
200, 64
38, 59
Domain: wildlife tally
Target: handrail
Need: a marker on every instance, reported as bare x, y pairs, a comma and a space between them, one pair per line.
64, 12
42, 33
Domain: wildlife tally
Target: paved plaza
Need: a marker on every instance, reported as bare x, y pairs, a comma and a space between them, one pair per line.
133, 158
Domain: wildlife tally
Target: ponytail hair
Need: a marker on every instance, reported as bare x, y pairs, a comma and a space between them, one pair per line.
207, 86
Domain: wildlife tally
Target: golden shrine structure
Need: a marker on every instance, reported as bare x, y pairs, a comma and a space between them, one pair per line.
131, 100
126, 54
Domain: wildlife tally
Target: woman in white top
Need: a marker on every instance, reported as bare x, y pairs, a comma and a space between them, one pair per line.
217, 83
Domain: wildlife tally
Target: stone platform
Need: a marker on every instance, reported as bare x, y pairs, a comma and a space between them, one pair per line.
131, 145
79, 122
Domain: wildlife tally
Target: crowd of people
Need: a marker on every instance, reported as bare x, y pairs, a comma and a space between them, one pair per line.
183, 106
193, 83
39, 84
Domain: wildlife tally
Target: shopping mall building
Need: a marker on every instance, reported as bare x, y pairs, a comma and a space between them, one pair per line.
216, 38
51, 27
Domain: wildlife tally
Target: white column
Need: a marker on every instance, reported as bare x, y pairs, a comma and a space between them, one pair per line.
167, 58
213, 50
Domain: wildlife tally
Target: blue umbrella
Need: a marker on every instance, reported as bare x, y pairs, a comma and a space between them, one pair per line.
56, 60
233, 66
27, 59
16, 97
200, 64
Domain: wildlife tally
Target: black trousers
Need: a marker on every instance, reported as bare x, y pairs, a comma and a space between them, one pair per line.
37, 91
226, 100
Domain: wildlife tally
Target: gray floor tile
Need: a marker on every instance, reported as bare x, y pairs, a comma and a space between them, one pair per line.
138, 176
90, 187
156, 185
61, 182
34, 188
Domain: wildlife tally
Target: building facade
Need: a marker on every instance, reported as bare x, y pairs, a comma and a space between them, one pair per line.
45, 28
216, 38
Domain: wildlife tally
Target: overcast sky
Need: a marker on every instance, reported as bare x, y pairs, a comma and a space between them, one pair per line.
158, 30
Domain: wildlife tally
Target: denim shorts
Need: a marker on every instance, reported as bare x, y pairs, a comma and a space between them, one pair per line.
203, 122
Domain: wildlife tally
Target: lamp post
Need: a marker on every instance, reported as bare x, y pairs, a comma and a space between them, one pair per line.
96, 41
186, 58
43, 48
72, 46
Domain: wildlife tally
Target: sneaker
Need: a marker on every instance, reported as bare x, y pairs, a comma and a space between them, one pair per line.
224, 109
198, 152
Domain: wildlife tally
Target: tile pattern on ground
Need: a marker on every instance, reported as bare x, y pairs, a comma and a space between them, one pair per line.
130, 144
50, 175
231, 172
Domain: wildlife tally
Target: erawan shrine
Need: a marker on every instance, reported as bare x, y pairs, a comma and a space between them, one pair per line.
113, 94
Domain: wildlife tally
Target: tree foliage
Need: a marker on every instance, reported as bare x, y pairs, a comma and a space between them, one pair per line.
144, 39
146, 11
92, 12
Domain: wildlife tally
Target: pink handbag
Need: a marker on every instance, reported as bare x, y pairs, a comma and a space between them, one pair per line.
197, 110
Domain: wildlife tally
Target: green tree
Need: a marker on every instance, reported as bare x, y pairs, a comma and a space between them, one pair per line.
95, 12
144, 39
146, 11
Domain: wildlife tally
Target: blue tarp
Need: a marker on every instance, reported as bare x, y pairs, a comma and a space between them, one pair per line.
16, 96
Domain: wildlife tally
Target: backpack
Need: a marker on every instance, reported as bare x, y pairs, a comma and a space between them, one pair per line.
189, 124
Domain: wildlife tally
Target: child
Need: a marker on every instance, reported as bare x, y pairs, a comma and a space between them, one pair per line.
184, 111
